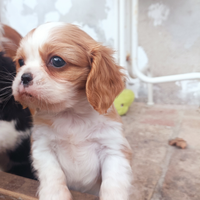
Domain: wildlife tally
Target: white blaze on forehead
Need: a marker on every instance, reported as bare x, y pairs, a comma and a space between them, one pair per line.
41, 33
37, 39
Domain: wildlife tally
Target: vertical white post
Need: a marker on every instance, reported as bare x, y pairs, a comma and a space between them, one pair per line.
134, 34
150, 91
122, 51
134, 52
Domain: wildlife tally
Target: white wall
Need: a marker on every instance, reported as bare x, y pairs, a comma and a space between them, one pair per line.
169, 33
98, 18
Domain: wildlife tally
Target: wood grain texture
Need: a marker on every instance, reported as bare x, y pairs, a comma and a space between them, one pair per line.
17, 188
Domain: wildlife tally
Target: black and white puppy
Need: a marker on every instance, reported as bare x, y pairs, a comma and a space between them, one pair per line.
15, 125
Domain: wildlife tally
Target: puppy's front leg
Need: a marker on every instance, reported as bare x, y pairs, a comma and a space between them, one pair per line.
51, 177
116, 176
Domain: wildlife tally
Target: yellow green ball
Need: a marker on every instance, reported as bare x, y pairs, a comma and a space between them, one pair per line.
123, 101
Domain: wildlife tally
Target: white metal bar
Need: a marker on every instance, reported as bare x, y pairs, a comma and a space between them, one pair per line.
134, 69
122, 51
163, 79
116, 31
122, 4
134, 37
150, 92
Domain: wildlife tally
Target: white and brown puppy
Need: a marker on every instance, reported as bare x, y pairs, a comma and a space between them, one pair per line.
71, 82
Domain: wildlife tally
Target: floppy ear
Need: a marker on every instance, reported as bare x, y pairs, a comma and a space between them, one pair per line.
105, 81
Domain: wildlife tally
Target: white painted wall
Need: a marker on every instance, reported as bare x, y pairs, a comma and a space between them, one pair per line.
169, 33
98, 18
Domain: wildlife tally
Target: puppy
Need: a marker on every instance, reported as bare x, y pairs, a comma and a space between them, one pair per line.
15, 123
71, 82
9, 40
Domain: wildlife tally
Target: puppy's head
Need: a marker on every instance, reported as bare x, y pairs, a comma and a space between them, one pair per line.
58, 64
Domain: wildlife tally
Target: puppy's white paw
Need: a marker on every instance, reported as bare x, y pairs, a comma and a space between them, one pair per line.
111, 191
55, 193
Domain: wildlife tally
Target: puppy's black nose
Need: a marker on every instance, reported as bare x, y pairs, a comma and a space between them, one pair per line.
26, 79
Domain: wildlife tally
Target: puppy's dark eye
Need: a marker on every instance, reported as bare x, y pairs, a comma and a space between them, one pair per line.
21, 62
57, 61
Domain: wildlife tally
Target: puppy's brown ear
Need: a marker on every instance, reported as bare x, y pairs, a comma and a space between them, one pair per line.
105, 81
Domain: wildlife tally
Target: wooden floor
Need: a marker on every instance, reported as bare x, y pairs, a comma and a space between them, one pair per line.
17, 188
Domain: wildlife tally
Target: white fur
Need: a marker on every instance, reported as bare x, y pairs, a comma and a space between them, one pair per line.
9, 136
81, 149
36, 40
77, 151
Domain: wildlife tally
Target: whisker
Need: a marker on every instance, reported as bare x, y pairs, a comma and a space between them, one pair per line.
6, 101
6, 78
6, 88
3, 100
5, 95
8, 73
6, 82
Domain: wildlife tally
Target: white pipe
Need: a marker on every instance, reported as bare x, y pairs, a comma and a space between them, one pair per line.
122, 51
134, 36
150, 92
134, 68
163, 79
121, 41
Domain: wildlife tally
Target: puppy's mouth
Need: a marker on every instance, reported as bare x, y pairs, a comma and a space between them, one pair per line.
27, 95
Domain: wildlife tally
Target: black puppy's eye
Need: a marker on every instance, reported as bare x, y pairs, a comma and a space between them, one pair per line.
21, 62
57, 62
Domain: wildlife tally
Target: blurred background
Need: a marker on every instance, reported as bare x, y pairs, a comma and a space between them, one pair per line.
168, 36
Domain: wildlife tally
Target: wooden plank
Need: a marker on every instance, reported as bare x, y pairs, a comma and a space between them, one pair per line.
13, 187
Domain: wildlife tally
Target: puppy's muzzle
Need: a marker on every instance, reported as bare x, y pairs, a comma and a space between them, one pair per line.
26, 79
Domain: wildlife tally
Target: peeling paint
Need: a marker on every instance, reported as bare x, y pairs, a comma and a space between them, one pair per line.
159, 13
98, 18
183, 25
189, 87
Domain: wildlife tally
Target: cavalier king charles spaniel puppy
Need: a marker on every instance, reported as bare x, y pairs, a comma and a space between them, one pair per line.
71, 81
